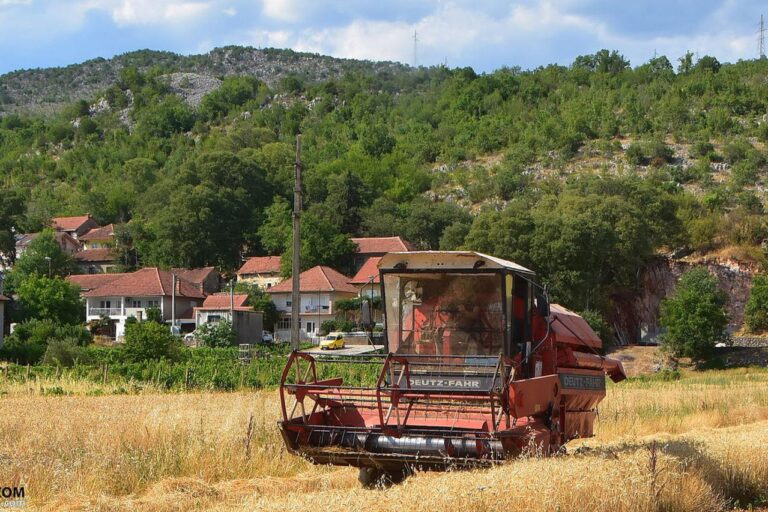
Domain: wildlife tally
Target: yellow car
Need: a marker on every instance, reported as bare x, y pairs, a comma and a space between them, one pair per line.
332, 341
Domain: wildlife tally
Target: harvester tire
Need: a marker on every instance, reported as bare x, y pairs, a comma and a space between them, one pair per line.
375, 478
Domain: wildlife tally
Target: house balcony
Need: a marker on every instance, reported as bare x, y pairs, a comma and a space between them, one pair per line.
105, 311
313, 308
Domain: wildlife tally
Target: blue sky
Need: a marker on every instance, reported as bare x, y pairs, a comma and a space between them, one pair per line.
483, 34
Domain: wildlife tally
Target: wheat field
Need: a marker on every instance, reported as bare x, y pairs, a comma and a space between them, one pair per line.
698, 443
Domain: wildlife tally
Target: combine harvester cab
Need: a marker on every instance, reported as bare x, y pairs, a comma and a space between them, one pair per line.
479, 368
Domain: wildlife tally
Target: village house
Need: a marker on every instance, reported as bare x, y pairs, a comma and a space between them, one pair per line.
206, 279
66, 242
247, 323
74, 226
320, 287
376, 247
263, 271
97, 261
121, 296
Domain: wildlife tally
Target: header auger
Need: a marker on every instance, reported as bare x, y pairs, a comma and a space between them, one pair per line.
479, 368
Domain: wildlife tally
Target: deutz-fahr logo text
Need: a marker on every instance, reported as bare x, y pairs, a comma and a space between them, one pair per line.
585, 382
12, 497
438, 382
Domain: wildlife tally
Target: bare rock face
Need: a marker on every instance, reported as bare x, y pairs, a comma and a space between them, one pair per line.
191, 87
636, 315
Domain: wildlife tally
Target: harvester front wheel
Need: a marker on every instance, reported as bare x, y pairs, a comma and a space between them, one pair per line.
373, 478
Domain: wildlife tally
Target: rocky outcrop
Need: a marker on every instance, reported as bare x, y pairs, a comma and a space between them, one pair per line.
636, 313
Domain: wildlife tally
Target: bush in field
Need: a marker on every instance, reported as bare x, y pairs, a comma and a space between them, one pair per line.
694, 316
150, 340
217, 334
30, 339
756, 311
65, 352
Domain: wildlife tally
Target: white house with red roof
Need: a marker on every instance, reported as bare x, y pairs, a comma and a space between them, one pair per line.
320, 287
367, 281
121, 296
263, 271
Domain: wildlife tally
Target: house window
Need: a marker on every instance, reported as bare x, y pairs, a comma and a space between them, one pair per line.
269, 285
324, 307
105, 304
153, 303
284, 323
136, 304
212, 319
288, 302
310, 327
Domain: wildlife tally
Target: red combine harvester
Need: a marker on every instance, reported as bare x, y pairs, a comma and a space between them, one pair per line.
479, 368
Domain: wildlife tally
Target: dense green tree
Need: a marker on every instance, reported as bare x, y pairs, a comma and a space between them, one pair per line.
756, 310
41, 297
11, 210
42, 257
150, 340
694, 316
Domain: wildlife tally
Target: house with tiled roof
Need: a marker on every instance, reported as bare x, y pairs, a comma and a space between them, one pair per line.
75, 226
99, 238
131, 294
247, 323
376, 247
263, 271
207, 279
66, 242
88, 282
320, 288
97, 261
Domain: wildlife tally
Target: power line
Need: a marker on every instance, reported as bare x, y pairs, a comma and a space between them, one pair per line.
761, 39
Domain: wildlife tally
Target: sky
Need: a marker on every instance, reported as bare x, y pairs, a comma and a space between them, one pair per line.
485, 35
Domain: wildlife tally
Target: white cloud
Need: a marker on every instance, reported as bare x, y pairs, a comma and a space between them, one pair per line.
230, 11
283, 10
141, 12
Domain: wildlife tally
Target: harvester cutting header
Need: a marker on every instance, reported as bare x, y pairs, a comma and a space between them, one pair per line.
479, 368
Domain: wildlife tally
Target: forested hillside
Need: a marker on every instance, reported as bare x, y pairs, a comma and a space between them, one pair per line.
583, 173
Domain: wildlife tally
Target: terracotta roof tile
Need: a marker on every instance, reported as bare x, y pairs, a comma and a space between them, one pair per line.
317, 279
221, 300
102, 233
369, 268
261, 265
147, 282
69, 223
381, 245
193, 275
88, 282
105, 254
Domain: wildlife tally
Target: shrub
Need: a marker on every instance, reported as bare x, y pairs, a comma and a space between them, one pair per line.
65, 352
30, 339
150, 340
694, 315
217, 334
154, 315
635, 154
756, 311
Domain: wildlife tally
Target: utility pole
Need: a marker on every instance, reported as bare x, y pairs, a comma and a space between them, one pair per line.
296, 261
232, 302
415, 49
173, 303
761, 39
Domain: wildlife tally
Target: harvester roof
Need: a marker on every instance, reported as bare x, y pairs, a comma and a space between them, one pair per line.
447, 260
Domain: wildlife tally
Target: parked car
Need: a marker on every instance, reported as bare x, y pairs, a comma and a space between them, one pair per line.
332, 341
266, 337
